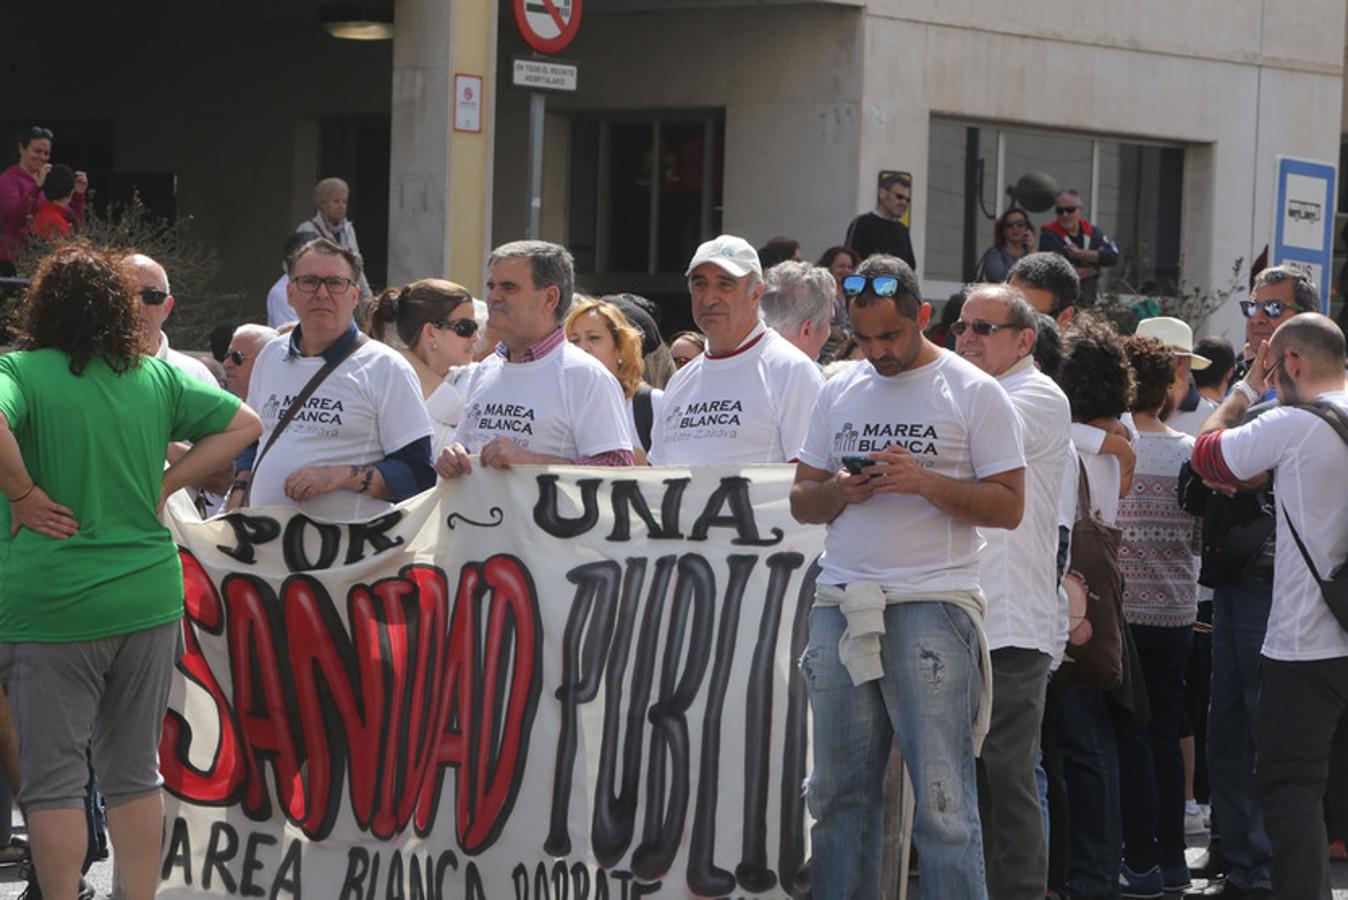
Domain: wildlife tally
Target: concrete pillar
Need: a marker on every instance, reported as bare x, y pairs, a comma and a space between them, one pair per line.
439, 178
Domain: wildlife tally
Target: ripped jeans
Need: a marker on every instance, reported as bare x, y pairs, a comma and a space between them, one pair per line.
927, 697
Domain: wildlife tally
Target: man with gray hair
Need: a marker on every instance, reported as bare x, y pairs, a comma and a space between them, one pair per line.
1279, 293
996, 331
331, 196
244, 346
747, 399
537, 399
1303, 665
798, 304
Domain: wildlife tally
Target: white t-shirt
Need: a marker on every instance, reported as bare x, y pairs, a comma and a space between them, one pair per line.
751, 406
279, 310
1309, 462
369, 407
1190, 422
189, 364
1018, 569
957, 421
565, 404
1102, 472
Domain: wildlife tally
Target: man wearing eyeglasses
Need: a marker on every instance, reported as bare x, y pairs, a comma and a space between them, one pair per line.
1085, 246
747, 399
996, 331
882, 230
361, 441
244, 346
908, 454
1279, 293
151, 285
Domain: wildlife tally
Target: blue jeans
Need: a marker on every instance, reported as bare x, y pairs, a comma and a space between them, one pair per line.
1151, 767
1090, 757
927, 698
1239, 619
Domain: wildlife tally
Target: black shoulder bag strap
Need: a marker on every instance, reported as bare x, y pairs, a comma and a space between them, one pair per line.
298, 403
644, 414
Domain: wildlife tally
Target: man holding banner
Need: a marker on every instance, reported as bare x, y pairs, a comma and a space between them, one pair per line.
905, 457
537, 399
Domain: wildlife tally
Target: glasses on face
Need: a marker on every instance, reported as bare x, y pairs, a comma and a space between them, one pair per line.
336, 284
236, 357
1064, 210
464, 328
880, 285
152, 297
1017, 223
1271, 308
978, 326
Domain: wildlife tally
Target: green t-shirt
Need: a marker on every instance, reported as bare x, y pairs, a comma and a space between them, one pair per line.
96, 444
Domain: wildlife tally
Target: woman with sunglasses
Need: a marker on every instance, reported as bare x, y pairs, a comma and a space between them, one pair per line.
435, 322
21, 194
1012, 238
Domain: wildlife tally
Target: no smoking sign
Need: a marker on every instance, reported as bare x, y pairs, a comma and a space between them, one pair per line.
547, 25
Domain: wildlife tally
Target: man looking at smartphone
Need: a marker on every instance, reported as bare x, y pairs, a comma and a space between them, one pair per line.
996, 331
896, 646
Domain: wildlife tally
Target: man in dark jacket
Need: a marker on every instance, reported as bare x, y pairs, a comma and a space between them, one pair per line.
1086, 247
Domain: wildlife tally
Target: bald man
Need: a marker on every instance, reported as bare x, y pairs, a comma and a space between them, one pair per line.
1304, 660
151, 286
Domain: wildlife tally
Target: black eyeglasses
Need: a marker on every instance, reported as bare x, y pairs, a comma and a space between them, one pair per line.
236, 357
152, 297
336, 284
880, 285
464, 328
37, 133
1017, 223
1063, 210
979, 327
1271, 308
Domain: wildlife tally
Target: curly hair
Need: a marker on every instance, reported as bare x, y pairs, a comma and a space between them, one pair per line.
80, 302
1153, 372
625, 337
1095, 374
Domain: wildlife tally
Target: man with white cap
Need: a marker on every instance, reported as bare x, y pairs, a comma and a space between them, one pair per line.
748, 398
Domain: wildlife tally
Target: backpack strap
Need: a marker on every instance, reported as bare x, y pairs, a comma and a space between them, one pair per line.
644, 414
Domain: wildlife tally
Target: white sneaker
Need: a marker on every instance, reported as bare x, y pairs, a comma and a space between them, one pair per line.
1194, 819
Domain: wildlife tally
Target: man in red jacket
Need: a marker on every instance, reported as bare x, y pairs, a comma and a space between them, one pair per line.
1086, 247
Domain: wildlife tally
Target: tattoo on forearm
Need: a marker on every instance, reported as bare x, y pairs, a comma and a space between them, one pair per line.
366, 474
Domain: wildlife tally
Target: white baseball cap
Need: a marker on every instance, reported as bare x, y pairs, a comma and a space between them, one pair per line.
734, 254
1175, 334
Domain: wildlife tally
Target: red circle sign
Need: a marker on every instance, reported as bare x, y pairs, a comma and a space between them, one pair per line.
547, 25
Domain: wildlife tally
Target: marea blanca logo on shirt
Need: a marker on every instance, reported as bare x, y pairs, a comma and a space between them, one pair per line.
511, 417
706, 413
323, 410
916, 438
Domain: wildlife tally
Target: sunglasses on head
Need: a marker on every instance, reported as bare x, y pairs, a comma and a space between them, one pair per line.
1272, 308
880, 285
152, 297
1063, 210
464, 328
978, 326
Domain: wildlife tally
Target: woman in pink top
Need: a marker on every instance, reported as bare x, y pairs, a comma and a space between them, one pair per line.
21, 193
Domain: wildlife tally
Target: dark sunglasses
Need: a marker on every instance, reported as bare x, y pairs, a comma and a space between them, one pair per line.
464, 328
152, 297
980, 328
1017, 223
1062, 210
236, 357
1271, 308
880, 285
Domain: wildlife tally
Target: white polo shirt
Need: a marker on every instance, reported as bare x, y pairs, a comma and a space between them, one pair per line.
750, 406
1018, 569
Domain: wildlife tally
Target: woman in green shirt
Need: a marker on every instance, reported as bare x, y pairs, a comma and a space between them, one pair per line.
90, 583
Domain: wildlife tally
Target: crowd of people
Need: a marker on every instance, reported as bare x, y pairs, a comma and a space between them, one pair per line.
1055, 563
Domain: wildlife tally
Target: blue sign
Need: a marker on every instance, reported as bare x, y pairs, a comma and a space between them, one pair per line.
1304, 233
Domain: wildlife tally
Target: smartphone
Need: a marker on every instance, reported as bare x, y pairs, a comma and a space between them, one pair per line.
855, 464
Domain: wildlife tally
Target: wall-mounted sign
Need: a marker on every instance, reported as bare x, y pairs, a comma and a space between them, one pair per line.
468, 103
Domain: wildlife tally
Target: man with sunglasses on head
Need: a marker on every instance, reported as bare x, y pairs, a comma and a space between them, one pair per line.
908, 454
747, 398
538, 399
997, 331
361, 440
882, 230
1085, 246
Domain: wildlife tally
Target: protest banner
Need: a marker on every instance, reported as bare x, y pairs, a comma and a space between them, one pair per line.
553, 682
